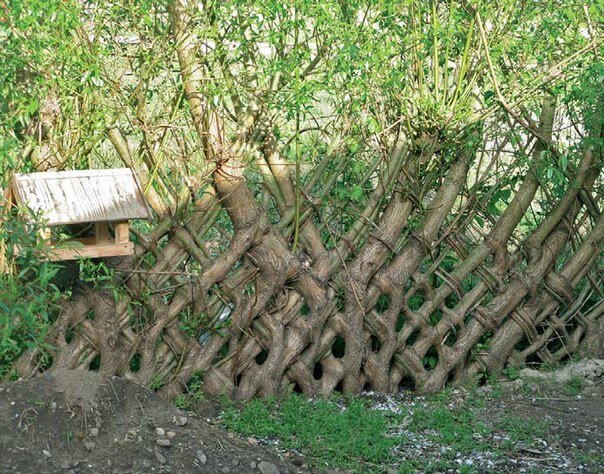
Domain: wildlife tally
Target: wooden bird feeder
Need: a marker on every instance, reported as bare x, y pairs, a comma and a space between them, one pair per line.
95, 197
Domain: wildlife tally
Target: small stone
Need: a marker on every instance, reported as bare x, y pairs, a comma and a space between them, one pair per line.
160, 431
201, 457
89, 445
179, 420
268, 468
46, 453
252, 441
94, 432
165, 443
253, 464
225, 470
160, 457
170, 434
65, 465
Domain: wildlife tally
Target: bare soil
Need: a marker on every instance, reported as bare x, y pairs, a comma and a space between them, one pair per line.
84, 422
574, 441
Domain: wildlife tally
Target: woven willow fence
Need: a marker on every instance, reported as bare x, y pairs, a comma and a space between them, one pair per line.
261, 286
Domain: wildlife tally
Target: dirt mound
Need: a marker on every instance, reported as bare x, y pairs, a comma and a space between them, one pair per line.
84, 422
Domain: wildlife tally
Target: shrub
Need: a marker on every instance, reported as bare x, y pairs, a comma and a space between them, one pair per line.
28, 297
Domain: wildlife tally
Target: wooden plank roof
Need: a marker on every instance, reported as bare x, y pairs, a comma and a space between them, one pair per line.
72, 197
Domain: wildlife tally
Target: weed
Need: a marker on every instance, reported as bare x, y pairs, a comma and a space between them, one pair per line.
532, 387
574, 385
195, 392
466, 470
512, 372
496, 389
181, 401
156, 382
99, 276
590, 460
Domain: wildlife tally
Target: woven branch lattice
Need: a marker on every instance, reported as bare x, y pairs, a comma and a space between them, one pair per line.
428, 285
380, 312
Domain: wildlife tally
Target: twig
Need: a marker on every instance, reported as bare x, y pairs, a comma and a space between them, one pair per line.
114, 392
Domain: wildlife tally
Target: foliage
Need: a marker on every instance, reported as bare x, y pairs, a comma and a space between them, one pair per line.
29, 300
194, 393
512, 372
99, 276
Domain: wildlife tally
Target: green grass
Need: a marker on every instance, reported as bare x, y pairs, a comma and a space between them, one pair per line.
457, 429
574, 386
346, 435
592, 461
194, 393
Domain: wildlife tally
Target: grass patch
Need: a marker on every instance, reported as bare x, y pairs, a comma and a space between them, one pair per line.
332, 434
521, 429
591, 461
458, 429
346, 433
574, 385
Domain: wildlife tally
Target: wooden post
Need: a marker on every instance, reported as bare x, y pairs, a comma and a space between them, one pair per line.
101, 232
122, 232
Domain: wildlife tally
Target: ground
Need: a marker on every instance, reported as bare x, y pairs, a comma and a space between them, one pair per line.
84, 422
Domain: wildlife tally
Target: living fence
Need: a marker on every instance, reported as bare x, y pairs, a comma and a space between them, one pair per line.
412, 257
412, 294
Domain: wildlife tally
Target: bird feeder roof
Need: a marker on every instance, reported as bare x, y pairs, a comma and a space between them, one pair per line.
74, 197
